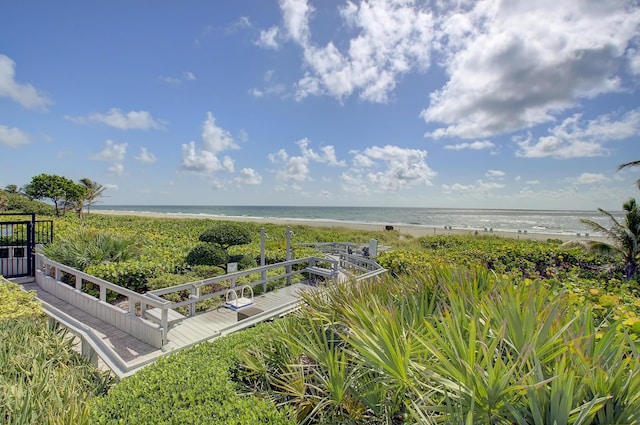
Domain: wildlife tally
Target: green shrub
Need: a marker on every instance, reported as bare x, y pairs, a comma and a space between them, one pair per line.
204, 272
132, 274
447, 345
227, 233
244, 261
206, 254
166, 280
16, 303
522, 258
192, 386
21, 203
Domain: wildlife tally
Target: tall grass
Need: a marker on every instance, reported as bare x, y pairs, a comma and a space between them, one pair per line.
448, 346
42, 379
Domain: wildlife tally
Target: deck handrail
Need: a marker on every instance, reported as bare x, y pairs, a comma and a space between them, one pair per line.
195, 286
44, 267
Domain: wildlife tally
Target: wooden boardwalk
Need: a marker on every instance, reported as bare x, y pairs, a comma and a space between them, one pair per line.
133, 334
183, 333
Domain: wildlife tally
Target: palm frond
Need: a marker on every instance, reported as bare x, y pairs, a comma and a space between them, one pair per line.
629, 164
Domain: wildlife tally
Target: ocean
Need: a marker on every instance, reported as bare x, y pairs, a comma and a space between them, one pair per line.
560, 222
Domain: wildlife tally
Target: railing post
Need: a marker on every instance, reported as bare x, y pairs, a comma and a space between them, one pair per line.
288, 255
132, 306
194, 293
103, 293
38, 262
79, 283
164, 321
263, 273
88, 351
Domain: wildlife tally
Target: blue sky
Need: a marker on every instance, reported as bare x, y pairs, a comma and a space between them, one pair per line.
487, 104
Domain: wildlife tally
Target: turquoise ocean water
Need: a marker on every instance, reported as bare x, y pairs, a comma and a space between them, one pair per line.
534, 221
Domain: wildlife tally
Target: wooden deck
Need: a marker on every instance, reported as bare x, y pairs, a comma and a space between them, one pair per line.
182, 333
125, 342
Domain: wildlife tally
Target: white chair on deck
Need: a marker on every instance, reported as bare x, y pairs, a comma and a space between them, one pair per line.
236, 302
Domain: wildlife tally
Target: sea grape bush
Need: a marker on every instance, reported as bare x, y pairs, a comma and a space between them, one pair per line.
132, 274
226, 234
525, 258
207, 254
193, 386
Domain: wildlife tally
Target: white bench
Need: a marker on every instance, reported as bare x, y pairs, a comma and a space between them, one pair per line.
315, 272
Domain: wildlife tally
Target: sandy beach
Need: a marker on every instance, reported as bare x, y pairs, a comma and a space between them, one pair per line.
411, 230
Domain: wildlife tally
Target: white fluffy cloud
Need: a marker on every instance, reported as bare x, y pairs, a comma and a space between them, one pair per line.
390, 38
25, 94
145, 156
132, 120
495, 174
268, 38
574, 138
203, 161
590, 178
387, 169
513, 65
13, 137
215, 140
479, 189
509, 65
117, 168
477, 145
186, 76
296, 168
112, 152
248, 176
327, 155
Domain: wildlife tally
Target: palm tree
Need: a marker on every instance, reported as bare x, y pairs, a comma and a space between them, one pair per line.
624, 236
11, 188
630, 164
94, 190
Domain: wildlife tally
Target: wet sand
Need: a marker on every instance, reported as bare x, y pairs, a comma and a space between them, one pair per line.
412, 230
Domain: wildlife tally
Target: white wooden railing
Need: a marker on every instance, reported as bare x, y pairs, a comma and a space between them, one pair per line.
49, 277
351, 259
360, 268
228, 281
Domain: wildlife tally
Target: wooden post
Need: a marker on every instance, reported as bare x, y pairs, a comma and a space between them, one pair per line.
164, 321
103, 293
263, 273
194, 293
79, 283
288, 255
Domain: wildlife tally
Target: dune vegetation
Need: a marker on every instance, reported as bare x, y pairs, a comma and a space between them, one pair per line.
462, 329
